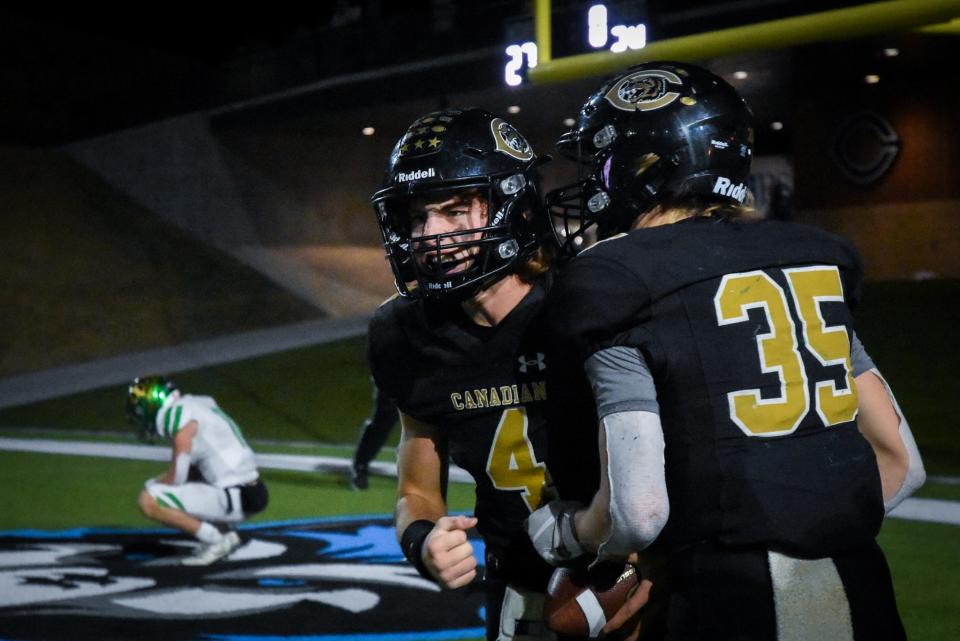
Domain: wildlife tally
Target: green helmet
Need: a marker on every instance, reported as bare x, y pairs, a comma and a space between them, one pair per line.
145, 397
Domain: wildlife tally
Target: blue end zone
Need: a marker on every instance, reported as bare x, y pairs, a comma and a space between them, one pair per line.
435, 635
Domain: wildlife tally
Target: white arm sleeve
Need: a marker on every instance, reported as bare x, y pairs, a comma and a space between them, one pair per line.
181, 469
639, 505
916, 475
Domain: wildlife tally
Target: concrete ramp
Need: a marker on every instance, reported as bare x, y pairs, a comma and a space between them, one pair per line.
342, 280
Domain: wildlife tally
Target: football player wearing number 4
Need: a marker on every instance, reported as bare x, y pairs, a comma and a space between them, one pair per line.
460, 351
729, 383
203, 437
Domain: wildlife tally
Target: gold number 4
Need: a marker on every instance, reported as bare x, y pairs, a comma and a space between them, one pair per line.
512, 464
779, 353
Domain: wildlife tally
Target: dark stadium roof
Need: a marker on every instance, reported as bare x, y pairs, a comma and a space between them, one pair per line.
81, 70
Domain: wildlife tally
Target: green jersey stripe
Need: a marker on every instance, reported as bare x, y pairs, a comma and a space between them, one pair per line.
174, 499
166, 421
176, 420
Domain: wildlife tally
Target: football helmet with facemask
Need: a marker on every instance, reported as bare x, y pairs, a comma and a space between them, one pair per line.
145, 397
443, 154
658, 132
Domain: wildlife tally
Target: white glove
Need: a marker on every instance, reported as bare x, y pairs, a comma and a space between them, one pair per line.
551, 530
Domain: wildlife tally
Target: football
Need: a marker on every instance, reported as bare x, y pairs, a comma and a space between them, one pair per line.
580, 601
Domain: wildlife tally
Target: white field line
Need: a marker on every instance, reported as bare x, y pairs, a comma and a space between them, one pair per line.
296, 462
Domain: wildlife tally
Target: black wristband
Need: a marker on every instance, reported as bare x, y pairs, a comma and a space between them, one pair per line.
411, 542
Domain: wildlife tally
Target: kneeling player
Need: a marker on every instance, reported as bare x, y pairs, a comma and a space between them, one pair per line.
229, 489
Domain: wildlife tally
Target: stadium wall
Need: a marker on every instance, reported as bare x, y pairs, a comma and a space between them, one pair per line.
903, 220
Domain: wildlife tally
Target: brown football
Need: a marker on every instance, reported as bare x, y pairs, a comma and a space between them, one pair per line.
579, 601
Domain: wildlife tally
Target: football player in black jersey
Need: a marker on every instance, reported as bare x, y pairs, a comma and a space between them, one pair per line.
728, 380
460, 353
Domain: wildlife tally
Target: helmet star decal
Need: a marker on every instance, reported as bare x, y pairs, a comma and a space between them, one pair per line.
425, 136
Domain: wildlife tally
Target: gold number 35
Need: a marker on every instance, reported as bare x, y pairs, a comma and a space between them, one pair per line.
779, 353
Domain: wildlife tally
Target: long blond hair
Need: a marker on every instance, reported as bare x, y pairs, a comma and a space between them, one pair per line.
667, 212
537, 264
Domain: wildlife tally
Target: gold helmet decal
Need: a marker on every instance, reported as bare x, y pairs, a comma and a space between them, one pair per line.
425, 136
645, 90
509, 140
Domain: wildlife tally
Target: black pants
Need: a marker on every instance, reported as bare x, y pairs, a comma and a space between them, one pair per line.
376, 429
718, 593
254, 498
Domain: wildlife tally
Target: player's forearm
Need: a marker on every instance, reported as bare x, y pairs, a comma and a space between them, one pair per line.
415, 507
636, 500
592, 523
893, 471
419, 470
882, 423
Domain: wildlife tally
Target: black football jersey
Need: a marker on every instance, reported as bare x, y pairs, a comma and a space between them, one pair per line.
745, 326
485, 390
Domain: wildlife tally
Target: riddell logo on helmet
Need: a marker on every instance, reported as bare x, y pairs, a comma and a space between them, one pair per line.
724, 187
419, 174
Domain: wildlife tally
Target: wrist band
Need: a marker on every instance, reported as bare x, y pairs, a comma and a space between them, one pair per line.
411, 543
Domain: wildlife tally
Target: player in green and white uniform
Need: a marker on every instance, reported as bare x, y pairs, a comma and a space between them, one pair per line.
212, 481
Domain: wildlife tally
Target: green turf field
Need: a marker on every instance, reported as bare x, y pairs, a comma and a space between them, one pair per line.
61, 491
908, 329
318, 394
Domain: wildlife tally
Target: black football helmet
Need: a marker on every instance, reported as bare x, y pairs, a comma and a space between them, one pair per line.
145, 397
441, 154
657, 132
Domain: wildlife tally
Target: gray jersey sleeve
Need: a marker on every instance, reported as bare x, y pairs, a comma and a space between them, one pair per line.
621, 381
859, 358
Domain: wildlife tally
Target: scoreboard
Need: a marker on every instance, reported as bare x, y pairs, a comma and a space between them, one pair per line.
615, 27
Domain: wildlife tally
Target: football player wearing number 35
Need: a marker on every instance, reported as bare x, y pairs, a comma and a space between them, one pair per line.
460, 352
737, 409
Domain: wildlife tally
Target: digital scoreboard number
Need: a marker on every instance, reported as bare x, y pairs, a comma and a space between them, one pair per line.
612, 27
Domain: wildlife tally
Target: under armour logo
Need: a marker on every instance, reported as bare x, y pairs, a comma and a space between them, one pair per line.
534, 362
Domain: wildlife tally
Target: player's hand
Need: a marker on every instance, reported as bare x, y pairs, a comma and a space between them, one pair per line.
448, 554
550, 529
627, 621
